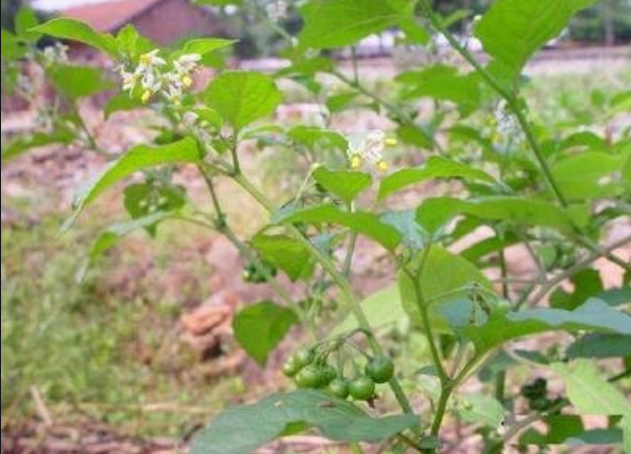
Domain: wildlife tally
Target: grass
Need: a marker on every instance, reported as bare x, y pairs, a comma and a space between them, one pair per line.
102, 349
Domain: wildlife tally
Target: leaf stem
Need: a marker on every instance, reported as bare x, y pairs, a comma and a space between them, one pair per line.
401, 116
571, 271
338, 278
221, 226
509, 97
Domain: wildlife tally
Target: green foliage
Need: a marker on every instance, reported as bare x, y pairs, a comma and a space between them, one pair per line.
260, 327
284, 413
65, 28
547, 184
593, 315
242, 97
589, 391
285, 253
137, 158
435, 167
365, 223
23, 144
446, 277
78, 81
513, 30
339, 23
344, 184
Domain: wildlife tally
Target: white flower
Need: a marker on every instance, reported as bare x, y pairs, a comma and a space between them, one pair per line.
151, 82
368, 148
277, 10
149, 61
155, 76
186, 63
174, 93
129, 79
55, 54
507, 128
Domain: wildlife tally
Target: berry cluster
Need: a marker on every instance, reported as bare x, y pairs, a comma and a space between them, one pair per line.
310, 369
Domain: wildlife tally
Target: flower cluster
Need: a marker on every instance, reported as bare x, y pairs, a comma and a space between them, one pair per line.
56, 54
368, 148
277, 10
506, 127
155, 75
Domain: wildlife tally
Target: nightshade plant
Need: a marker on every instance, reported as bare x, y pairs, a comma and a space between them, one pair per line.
553, 189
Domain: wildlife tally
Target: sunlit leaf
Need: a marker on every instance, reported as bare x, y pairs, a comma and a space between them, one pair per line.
260, 327
242, 429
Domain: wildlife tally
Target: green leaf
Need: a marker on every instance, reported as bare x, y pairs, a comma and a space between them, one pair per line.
589, 175
445, 277
316, 138
137, 158
39, 139
343, 183
589, 392
121, 102
560, 428
435, 167
65, 28
382, 308
599, 345
404, 221
24, 20
11, 48
511, 31
108, 238
361, 222
203, 46
116, 231
594, 315
416, 135
260, 327
339, 102
435, 213
442, 82
241, 97
481, 409
586, 283
242, 429
337, 23
285, 253
78, 81
143, 199
131, 44
414, 32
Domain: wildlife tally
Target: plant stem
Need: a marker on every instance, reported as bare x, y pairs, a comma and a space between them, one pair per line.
427, 326
221, 226
338, 278
500, 377
509, 97
401, 116
579, 266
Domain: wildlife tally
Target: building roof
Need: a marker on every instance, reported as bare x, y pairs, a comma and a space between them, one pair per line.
108, 16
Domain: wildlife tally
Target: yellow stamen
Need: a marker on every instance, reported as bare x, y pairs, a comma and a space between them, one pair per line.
382, 166
391, 141
145, 96
187, 81
356, 161
145, 59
